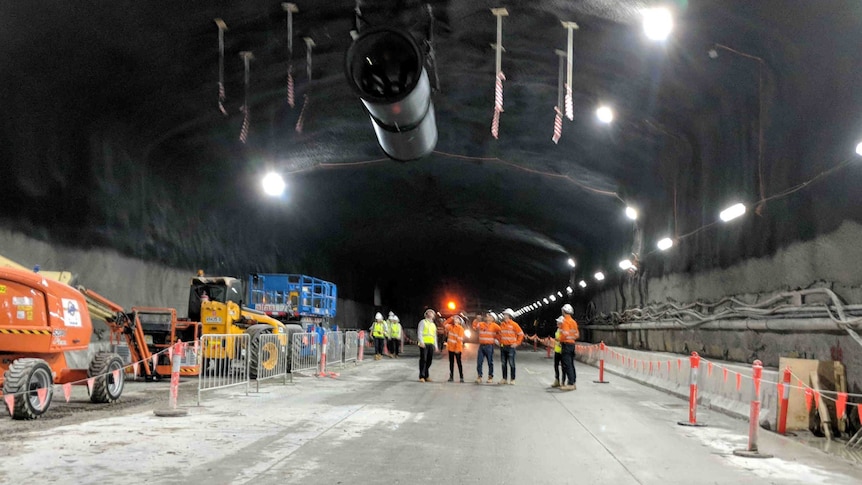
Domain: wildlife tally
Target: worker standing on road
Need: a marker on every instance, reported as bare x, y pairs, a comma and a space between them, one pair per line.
511, 337
427, 336
394, 337
568, 335
378, 333
455, 345
557, 353
488, 332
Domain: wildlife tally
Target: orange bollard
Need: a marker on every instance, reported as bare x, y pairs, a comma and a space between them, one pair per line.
754, 416
323, 357
603, 349
361, 345
784, 389
692, 393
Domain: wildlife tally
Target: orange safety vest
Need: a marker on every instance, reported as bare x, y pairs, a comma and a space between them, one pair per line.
455, 342
511, 333
487, 332
569, 330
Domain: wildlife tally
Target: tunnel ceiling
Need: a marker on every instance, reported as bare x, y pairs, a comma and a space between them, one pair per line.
113, 138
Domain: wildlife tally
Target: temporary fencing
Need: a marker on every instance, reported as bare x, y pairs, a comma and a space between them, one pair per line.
723, 384
335, 348
225, 362
351, 346
304, 352
272, 358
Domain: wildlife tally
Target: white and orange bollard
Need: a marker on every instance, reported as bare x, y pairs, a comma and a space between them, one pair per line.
361, 345
784, 395
754, 416
323, 356
602, 349
177, 352
692, 392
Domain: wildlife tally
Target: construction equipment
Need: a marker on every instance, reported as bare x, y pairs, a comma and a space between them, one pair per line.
43, 322
293, 298
148, 332
217, 303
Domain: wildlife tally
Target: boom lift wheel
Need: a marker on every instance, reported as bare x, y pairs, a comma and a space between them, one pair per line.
28, 375
268, 354
106, 388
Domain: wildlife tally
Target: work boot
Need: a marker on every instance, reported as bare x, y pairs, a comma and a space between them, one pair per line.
503, 382
427, 379
462, 380
490, 380
421, 380
556, 383
512, 382
479, 380
566, 388
451, 380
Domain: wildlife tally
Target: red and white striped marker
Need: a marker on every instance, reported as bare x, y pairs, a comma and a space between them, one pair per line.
361, 345
67, 391
603, 350
10, 403
323, 356
784, 393
692, 395
754, 415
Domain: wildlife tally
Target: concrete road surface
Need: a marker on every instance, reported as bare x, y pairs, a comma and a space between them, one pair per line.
375, 423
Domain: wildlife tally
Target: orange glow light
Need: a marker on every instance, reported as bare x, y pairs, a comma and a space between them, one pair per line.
451, 305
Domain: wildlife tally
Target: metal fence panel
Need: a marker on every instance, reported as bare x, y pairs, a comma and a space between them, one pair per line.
272, 360
351, 346
335, 348
304, 352
224, 362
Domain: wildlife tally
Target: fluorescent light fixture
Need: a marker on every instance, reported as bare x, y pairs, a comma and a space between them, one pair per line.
273, 184
658, 23
582, 284
732, 212
553, 297
859, 149
665, 244
626, 264
569, 290
599, 276
571, 262
545, 300
605, 114
631, 213
560, 294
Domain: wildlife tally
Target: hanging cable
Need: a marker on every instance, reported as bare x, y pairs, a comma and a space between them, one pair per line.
570, 111
558, 109
290, 9
222, 27
500, 77
247, 56
309, 44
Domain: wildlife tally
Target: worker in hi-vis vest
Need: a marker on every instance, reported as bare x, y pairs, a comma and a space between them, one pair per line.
558, 353
378, 333
488, 333
427, 336
511, 337
395, 335
568, 335
454, 327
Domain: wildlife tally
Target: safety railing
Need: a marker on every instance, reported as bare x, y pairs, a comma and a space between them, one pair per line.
272, 357
304, 352
335, 349
224, 362
351, 346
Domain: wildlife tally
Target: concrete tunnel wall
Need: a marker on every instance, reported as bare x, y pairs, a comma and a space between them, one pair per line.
129, 281
830, 261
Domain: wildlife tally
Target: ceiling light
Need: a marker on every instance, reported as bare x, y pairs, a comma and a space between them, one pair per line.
553, 297
859, 148
569, 290
658, 23
631, 213
605, 114
571, 262
665, 244
582, 284
599, 276
732, 212
545, 300
560, 294
273, 184
626, 264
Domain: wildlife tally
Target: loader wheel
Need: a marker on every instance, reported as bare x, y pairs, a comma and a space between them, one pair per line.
265, 355
23, 379
106, 388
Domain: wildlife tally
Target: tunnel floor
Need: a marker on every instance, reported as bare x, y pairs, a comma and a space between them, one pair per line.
375, 423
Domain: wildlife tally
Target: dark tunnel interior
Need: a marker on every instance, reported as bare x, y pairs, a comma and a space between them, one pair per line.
112, 137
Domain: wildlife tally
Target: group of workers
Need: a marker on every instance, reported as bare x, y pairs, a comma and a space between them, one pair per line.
386, 333
506, 334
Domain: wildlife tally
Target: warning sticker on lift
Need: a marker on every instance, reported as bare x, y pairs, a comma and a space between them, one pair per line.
71, 313
2, 289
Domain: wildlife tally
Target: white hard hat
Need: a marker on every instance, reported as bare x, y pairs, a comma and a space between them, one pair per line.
391, 314
568, 309
560, 319
509, 311
395, 318
378, 316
